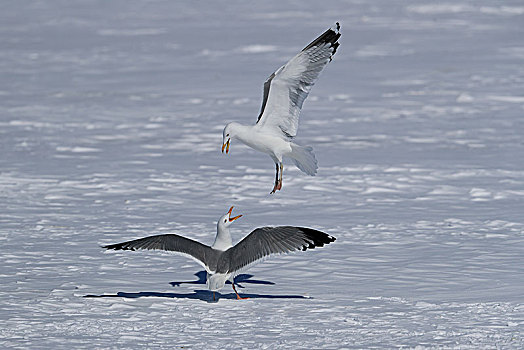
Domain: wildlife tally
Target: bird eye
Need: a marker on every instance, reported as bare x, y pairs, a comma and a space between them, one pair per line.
227, 135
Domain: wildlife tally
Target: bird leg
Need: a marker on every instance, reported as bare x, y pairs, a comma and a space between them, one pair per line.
213, 296
238, 296
275, 188
278, 177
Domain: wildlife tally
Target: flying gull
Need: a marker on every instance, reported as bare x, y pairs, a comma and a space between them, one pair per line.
222, 260
284, 93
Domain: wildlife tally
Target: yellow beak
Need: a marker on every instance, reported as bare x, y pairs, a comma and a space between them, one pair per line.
226, 146
233, 218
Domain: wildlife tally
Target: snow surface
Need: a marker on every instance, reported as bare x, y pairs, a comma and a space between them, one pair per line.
110, 129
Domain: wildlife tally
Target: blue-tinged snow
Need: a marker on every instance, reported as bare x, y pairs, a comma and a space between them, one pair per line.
111, 117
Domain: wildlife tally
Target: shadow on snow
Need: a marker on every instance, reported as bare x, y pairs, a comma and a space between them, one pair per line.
204, 295
242, 278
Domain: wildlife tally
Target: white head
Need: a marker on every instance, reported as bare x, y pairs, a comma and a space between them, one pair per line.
228, 133
226, 220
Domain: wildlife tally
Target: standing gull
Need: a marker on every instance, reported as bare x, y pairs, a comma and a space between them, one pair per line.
284, 93
222, 260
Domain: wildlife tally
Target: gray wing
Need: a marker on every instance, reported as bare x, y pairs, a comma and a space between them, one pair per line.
202, 253
286, 89
265, 241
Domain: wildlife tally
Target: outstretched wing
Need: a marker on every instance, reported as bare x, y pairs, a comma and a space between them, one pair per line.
286, 89
202, 253
265, 241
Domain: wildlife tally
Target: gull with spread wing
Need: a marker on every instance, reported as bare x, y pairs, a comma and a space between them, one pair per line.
284, 93
222, 260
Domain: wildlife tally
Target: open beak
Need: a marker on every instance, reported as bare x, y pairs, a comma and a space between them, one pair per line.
226, 146
232, 218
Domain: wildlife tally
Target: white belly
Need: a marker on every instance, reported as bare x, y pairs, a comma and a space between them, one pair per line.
275, 146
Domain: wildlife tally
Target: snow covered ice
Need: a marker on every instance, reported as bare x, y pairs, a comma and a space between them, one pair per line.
110, 129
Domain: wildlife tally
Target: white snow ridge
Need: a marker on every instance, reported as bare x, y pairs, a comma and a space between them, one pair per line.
110, 122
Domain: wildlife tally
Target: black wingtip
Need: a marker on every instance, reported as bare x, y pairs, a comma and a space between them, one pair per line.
330, 36
334, 43
317, 238
118, 246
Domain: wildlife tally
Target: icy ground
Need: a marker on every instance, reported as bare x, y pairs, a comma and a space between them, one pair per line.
110, 129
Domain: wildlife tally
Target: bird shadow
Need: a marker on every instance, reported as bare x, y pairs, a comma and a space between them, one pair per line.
242, 278
203, 295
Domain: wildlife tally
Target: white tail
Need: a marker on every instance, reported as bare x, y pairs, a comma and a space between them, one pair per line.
215, 281
304, 159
